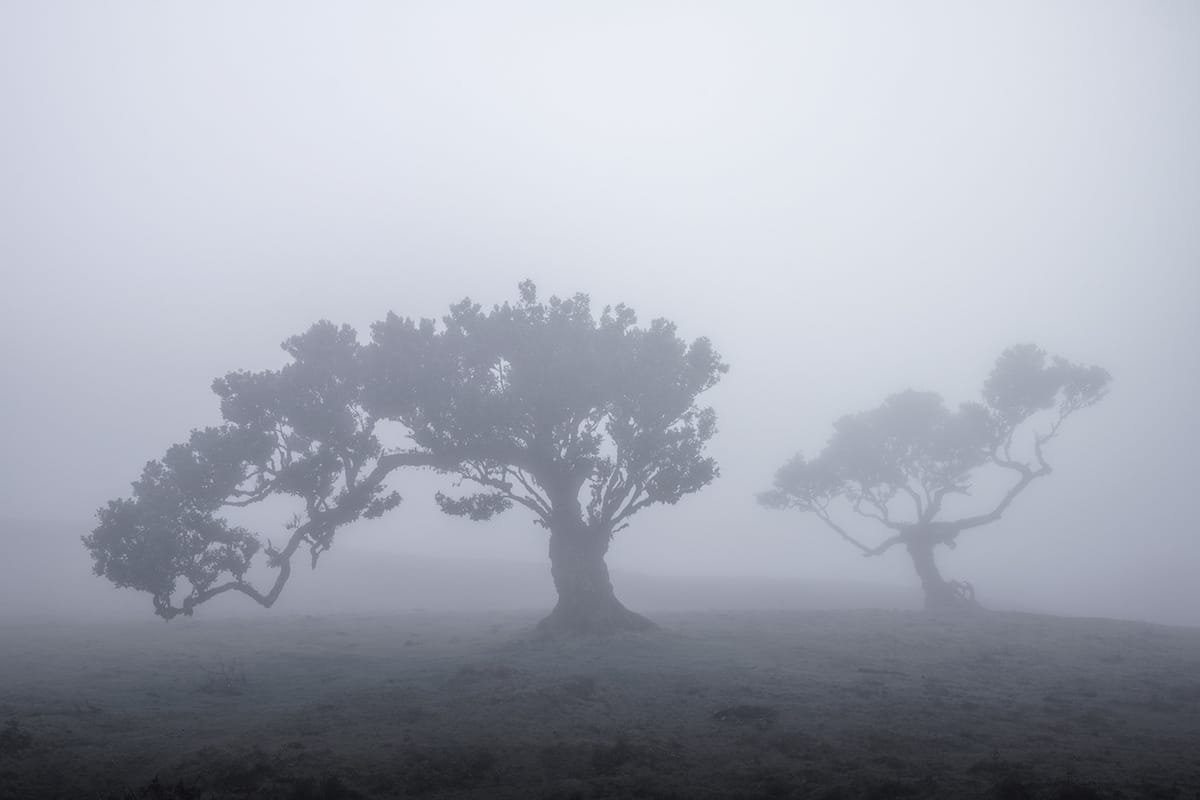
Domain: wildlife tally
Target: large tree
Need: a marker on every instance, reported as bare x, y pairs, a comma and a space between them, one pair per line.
581, 420
898, 464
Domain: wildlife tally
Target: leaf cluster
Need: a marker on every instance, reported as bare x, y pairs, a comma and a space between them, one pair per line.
913, 447
540, 399
299, 431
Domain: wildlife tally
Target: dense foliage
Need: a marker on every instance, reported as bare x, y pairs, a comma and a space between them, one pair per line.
582, 420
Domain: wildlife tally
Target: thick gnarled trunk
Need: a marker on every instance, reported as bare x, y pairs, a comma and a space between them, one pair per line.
586, 602
940, 594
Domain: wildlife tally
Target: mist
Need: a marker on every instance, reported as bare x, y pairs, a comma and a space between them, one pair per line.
849, 202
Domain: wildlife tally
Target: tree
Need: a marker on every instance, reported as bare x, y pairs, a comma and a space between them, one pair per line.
582, 421
912, 451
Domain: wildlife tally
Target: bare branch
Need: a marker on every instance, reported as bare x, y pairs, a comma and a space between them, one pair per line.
886, 544
541, 502
616, 489
936, 505
635, 501
823, 513
1027, 477
481, 474
916, 498
281, 559
881, 510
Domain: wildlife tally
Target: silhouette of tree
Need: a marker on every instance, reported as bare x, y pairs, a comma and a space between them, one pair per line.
913, 453
583, 421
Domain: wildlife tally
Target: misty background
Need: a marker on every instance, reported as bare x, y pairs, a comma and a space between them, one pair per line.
849, 199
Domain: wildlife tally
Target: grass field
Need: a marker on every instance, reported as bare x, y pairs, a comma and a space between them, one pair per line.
830, 704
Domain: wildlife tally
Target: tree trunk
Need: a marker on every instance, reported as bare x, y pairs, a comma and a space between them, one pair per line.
586, 602
940, 593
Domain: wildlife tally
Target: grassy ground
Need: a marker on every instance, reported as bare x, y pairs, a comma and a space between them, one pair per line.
833, 704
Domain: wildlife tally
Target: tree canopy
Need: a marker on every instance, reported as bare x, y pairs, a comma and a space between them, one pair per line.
582, 420
897, 464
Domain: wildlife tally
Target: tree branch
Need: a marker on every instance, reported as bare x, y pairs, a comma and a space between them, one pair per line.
823, 513
1027, 477
479, 473
276, 558
881, 516
541, 502
916, 498
318, 531
635, 499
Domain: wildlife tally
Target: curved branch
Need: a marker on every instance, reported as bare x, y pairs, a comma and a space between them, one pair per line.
280, 558
479, 473
881, 516
823, 514
317, 531
613, 494
916, 498
1028, 476
935, 505
887, 544
541, 504
634, 501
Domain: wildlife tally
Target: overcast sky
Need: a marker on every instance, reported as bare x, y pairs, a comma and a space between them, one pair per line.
849, 198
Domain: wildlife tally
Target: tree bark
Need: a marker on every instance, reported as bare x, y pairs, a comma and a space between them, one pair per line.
940, 594
586, 602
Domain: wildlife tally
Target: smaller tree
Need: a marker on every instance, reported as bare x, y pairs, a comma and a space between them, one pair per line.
913, 451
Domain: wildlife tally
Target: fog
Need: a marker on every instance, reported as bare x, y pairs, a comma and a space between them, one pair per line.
849, 199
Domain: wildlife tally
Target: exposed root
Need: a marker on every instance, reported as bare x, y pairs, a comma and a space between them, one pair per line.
952, 596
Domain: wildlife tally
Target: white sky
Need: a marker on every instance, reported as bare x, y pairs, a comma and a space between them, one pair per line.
849, 198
